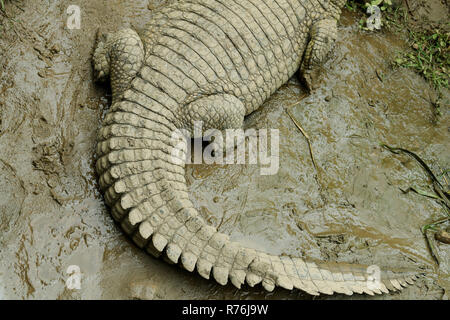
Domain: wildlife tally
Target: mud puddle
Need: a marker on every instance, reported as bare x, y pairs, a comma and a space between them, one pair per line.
351, 209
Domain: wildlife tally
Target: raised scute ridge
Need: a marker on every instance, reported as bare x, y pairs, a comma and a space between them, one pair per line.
213, 61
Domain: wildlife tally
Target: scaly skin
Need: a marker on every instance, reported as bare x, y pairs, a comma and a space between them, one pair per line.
214, 61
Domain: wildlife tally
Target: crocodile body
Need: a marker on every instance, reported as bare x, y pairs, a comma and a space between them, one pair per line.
214, 61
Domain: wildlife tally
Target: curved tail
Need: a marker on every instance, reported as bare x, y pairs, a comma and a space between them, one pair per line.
145, 187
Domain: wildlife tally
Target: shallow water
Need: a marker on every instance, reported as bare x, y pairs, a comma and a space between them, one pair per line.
350, 209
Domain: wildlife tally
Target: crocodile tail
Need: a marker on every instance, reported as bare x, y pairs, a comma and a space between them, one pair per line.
143, 182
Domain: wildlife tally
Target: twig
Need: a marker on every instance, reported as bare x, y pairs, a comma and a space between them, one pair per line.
441, 195
426, 230
421, 192
297, 124
444, 175
432, 226
409, 8
299, 127
432, 248
438, 188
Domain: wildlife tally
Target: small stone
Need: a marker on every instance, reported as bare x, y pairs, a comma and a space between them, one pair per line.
443, 236
328, 98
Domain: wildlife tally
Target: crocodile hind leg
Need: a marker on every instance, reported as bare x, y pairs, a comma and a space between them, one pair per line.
120, 56
215, 113
323, 37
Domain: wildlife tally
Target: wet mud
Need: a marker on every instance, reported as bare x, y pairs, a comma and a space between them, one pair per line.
349, 208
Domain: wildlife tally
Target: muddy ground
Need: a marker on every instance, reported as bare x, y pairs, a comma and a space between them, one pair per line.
351, 209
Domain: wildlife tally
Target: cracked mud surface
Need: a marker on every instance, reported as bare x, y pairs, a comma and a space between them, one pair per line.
51, 214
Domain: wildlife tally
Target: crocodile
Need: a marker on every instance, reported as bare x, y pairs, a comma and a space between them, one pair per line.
214, 61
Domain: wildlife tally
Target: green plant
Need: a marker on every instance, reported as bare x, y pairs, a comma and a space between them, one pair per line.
385, 4
352, 5
429, 56
430, 49
374, 9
